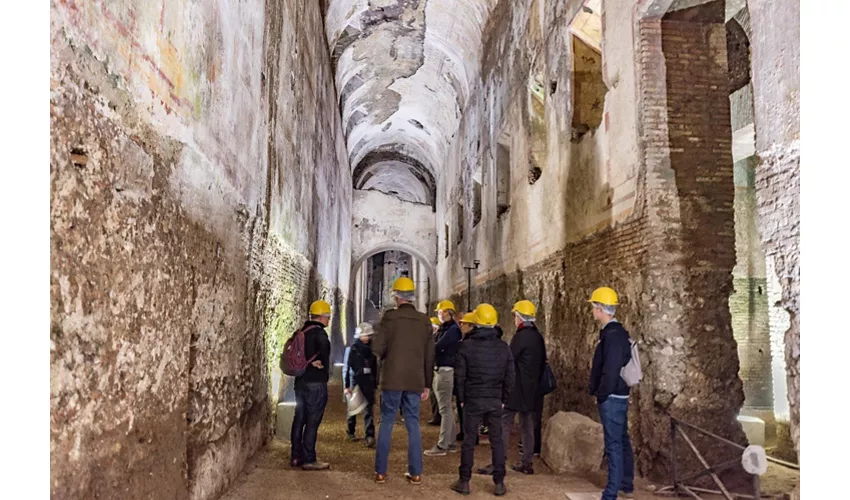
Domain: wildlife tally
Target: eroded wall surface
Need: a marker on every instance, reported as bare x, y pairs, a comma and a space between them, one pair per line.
642, 203
200, 198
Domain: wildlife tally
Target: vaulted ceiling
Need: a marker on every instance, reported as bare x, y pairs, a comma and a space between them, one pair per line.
404, 70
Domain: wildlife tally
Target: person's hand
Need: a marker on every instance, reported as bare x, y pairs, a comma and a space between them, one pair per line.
425, 394
318, 364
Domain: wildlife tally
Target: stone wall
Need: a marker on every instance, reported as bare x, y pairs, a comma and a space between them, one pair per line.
776, 86
200, 198
650, 213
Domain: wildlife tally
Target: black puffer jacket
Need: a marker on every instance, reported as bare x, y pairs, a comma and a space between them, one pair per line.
484, 368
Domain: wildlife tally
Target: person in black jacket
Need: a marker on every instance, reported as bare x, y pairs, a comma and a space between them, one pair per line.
360, 369
467, 324
612, 393
529, 353
447, 342
311, 389
484, 373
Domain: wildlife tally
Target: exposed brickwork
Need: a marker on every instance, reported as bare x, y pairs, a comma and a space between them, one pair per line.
775, 42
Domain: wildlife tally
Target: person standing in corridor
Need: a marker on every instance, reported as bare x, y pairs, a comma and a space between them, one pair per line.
360, 369
612, 393
405, 344
529, 354
432, 398
444, 375
485, 377
311, 389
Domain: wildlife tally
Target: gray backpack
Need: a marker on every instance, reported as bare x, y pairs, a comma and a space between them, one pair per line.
631, 372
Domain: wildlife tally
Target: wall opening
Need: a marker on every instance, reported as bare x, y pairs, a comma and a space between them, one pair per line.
503, 179
476, 203
459, 223
374, 279
588, 88
446, 241
537, 124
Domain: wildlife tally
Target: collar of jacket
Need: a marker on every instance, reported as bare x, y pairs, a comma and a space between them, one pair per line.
310, 323
483, 332
610, 326
406, 305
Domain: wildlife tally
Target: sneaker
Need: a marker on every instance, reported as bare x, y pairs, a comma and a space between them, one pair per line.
521, 468
436, 451
380, 478
316, 466
487, 471
416, 480
453, 448
370, 442
294, 463
352, 437
484, 430
461, 487
500, 489
626, 494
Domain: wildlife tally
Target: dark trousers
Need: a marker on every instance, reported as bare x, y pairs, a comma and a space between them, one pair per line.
432, 399
475, 412
614, 413
368, 414
459, 416
526, 427
310, 401
538, 423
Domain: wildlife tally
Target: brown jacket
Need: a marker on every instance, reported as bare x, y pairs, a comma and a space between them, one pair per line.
405, 345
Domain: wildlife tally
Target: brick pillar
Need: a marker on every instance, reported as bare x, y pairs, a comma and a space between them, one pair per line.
689, 193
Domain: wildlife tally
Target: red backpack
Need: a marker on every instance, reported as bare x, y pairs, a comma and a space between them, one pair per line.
293, 359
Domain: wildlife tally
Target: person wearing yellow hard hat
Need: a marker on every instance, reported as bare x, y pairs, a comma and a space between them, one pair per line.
445, 348
311, 389
484, 372
405, 345
613, 352
528, 350
432, 398
467, 324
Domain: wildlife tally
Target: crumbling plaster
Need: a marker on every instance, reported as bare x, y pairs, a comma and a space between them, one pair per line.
197, 160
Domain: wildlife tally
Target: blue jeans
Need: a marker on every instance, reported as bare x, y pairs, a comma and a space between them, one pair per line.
310, 401
390, 403
614, 413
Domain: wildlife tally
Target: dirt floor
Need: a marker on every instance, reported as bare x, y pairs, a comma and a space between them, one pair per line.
268, 475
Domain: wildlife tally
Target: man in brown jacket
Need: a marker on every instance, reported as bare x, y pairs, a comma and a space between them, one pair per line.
405, 346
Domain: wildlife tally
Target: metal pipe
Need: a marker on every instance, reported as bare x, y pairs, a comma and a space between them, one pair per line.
736, 445
716, 479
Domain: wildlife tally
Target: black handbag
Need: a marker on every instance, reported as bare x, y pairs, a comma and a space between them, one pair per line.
547, 383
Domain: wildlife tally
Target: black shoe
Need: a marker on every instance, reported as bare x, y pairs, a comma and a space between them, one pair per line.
487, 471
521, 468
461, 487
370, 442
436, 422
500, 489
484, 430
352, 437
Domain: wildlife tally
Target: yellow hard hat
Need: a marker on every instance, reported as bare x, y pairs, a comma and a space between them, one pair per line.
486, 315
435, 321
403, 284
605, 296
320, 308
470, 318
445, 304
525, 307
